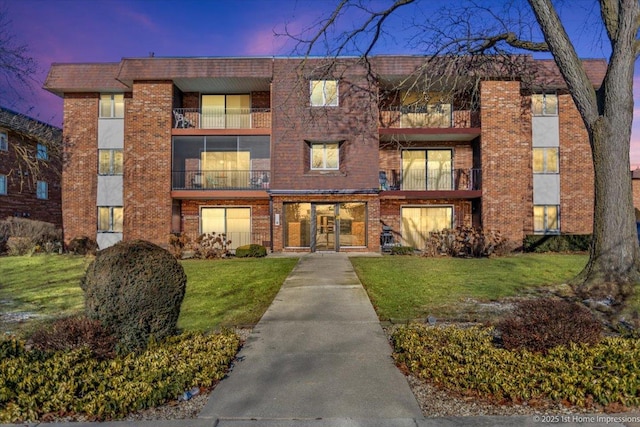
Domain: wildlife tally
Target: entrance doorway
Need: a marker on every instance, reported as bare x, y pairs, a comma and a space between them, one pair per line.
325, 227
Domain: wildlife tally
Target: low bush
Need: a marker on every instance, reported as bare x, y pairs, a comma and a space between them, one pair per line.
402, 250
466, 242
73, 383
557, 243
210, 246
82, 245
178, 242
22, 236
467, 361
76, 332
251, 251
544, 323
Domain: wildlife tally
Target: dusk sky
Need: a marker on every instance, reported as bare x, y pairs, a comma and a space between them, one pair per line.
109, 30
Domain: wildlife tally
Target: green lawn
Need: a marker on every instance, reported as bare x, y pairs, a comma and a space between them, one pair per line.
219, 293
410, 287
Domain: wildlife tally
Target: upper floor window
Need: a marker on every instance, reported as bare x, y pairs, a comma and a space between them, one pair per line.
110, 162
4, 141
325, 155
42, 190
545, 160
110, 218
41, 152
3, 184
324, 93
112, 105
546, 219
544, 104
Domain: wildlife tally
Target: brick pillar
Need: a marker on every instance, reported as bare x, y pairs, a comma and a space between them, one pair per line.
505, 145
147, 162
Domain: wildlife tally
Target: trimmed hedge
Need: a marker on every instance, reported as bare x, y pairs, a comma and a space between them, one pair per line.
251, 251
557, 243
402, 250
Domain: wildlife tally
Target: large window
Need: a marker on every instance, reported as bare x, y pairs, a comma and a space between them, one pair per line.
545, 160
546, 219
427, 170
297, 225
3, 184
110, 218
226, 111
4, 141
112, 105
41, 152
324, 93
544, 104
42, 190
325, 155
234, 222
418, 222
110, 162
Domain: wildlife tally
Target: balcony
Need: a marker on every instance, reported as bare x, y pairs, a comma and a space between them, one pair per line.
428, 116
423, 180
222, 118
220, 179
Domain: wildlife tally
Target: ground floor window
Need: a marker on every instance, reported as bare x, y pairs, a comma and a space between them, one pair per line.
232, 221
419, 221
546, 219
110, 219
297, 225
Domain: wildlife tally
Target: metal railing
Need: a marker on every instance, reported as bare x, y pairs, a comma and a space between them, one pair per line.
428, 116
220, 179
222, 118
430, 180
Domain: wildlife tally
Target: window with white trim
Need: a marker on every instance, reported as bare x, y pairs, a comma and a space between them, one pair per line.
4, 141
324, 93
41, 152
3, 184
110, 219
110, 162
42, 190
546, 219
325, 155
545, 160
112, 105
544, 104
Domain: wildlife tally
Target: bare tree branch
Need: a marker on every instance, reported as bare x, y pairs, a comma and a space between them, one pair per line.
17, 67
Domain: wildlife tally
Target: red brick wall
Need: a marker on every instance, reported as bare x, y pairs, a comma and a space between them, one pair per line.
294, 121
506, 159
80, 172
21, 199
147, 162
576, 171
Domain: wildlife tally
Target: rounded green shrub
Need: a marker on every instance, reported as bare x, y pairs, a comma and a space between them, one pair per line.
252, 251
135, 289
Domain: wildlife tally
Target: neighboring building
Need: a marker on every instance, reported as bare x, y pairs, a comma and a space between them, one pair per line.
317, 158
29, 168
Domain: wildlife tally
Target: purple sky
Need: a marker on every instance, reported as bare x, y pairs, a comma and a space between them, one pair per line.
108, 30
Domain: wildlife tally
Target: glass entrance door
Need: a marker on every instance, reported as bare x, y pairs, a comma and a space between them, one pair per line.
325, 235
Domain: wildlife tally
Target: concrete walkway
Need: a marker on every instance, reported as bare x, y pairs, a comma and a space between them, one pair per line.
317, 353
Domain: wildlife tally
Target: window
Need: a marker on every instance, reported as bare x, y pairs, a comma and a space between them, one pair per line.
110, 218
110, 162
545, 160
41, 153
112, 105
418, 222
234, 222
324, 93
42, 190
325, 155
3, 184
546, 219
544, 104
4, 141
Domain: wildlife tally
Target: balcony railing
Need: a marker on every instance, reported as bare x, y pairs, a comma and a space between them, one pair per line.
222, 118
428, 116
424, 180
220, 179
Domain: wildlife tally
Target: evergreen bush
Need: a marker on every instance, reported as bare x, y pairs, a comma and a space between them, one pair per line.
252, 251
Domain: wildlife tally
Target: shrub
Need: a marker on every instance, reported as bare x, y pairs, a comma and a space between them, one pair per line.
544, 323
25, 236
253, 251
135, 289
82, 245
464, 242
557, 243
76, 332
211, 245
177, 244
402, 250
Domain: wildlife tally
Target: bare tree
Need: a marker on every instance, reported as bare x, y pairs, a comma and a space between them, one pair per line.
17, 67
479, 28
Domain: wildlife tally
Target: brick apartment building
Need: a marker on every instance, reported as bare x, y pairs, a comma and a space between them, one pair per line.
29, 171
306, 155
